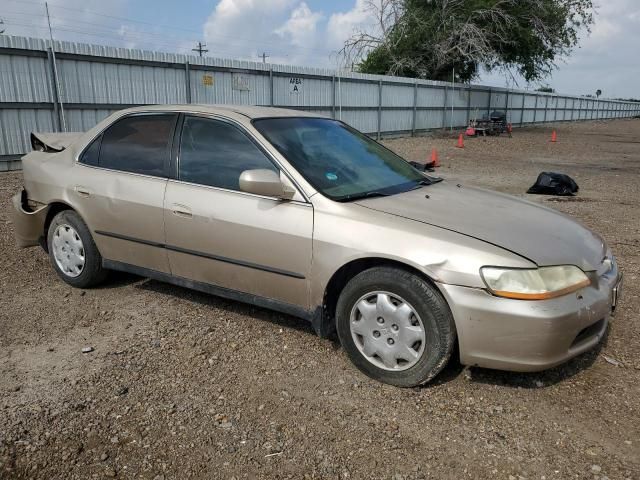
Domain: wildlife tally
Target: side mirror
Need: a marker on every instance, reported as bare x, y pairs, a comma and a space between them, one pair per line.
265, 182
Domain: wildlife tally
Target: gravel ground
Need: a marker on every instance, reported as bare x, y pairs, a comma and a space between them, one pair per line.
185, 385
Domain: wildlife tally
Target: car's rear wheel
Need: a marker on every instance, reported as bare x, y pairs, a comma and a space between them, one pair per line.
72, 251
395, 326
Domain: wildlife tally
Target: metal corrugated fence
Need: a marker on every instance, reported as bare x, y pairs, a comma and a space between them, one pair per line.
94, 81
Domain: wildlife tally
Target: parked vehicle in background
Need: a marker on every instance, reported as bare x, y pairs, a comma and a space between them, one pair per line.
303, 214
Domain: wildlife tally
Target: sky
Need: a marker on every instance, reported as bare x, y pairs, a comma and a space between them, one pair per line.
308, 32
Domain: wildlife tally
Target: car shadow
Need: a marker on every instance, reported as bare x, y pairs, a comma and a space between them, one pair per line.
117, 279
281, 319
452, 371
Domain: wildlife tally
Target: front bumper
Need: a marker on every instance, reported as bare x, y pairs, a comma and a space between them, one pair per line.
28, 224
529, 336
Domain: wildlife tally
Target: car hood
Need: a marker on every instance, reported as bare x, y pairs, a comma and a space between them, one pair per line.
537, 233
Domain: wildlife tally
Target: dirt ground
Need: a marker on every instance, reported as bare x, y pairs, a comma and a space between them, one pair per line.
185, 385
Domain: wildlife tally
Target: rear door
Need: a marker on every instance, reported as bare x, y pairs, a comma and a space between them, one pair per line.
119, 189
219, 235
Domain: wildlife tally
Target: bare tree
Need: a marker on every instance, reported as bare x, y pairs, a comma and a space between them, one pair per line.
386, 15
471, 40
428, 38
467, 40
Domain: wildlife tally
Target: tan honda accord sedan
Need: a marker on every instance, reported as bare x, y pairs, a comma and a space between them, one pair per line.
304, 215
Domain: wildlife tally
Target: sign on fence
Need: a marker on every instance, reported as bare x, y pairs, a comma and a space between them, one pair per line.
295, 85
207, 80
240, 82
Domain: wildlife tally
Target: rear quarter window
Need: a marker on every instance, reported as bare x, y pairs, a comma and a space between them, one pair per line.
91, 155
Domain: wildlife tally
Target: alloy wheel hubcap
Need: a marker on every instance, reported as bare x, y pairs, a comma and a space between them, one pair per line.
387, 331
68, 250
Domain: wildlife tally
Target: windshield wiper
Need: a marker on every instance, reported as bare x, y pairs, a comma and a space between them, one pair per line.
428, 180
359, 196
423, 182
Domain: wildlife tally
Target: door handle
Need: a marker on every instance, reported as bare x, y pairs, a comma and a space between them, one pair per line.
181, 210
82, 191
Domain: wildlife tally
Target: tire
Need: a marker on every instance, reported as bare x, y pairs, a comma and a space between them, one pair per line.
70, 245
391, 292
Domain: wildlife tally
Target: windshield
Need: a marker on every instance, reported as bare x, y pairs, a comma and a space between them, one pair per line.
338, 161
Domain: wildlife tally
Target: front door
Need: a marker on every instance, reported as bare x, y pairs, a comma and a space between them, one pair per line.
219, 235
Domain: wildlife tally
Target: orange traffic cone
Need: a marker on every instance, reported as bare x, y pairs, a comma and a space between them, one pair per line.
554, 137
460, 141
435, 161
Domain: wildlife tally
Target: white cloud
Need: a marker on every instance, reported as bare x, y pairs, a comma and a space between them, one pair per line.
343, 25
289, 30
301, 27
245, 28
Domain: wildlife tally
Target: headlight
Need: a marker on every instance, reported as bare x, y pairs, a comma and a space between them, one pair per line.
534, 284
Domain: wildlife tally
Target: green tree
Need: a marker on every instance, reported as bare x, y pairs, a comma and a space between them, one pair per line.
432, 38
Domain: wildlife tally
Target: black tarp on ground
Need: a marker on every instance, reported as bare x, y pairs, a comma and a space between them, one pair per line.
552, 183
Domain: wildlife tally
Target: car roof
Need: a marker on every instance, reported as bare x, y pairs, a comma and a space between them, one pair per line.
249, 111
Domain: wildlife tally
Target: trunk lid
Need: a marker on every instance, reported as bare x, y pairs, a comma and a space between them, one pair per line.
53, 142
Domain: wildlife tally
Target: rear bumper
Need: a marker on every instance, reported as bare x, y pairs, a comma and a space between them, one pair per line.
28, 224
528, 336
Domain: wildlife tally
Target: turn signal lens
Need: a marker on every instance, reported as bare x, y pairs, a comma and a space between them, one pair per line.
534, 284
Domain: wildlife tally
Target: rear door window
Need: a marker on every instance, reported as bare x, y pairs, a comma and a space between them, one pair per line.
215, 153
138, 144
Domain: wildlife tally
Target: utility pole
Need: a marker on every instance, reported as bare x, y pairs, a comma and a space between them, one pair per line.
200, 48
55, 70
1, 23
264, 57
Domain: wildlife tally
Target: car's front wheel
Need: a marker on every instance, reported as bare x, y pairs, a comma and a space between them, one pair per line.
395, 326
72, 251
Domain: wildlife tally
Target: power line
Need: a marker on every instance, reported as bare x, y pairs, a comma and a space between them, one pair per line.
46, 6
141, 38
200, 48
224, 38
62, 24
135, 36
152, 43
55, 71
